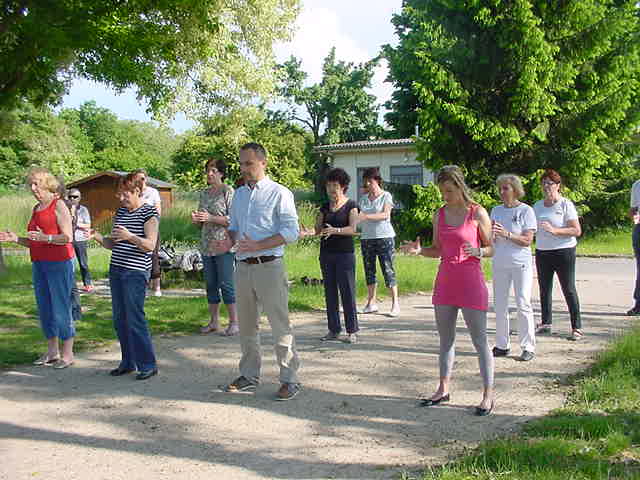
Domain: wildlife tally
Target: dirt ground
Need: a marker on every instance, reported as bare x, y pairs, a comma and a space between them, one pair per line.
356, 418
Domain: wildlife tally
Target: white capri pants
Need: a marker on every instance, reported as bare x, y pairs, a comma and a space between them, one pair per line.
521, 276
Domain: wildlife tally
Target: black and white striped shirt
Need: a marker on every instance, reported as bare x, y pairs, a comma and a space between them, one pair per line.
125, 254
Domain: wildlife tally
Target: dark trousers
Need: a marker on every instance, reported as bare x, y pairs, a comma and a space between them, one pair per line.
339, 274
635, 239
128, 289
563, 263
81, 254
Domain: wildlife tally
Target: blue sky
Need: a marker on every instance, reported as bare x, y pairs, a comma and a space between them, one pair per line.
357, 28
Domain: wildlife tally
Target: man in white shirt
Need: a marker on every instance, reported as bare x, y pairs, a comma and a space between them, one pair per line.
263, 220
634, 213
151, 196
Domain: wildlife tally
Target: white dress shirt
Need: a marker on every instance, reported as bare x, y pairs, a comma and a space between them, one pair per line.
261, 212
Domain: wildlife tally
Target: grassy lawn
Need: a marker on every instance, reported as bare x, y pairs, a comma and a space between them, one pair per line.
21, 338
595, 436
612, 242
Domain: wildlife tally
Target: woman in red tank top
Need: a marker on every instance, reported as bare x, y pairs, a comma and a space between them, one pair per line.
461, 236
49, 236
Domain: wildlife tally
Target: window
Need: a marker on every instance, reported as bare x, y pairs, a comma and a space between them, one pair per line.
407, 174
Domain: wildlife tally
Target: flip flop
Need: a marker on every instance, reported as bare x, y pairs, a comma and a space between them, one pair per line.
231, 331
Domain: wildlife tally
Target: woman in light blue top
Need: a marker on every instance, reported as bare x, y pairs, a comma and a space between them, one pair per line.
377, 239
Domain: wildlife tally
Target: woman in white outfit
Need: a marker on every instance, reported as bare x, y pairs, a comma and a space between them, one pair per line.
514, 225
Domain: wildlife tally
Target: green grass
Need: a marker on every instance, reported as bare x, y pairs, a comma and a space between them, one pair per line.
610, 242
595, 436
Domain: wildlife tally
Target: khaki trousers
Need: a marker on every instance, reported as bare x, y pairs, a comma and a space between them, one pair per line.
264, 287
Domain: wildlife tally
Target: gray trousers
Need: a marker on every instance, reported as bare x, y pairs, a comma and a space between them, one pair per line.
264, 287
476, 320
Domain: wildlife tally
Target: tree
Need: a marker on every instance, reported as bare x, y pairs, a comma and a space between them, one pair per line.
339, 103
222, 135
173, 52
520, 85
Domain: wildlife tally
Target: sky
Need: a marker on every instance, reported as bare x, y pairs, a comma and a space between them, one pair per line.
357, 28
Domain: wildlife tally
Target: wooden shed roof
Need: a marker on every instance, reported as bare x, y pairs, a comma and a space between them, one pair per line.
153, 182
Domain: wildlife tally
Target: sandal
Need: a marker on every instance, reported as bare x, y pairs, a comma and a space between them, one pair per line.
209, 328
575, 335
232, 330
543, 328
46, 360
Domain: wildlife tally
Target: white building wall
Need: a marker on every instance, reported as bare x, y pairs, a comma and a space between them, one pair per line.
384, 159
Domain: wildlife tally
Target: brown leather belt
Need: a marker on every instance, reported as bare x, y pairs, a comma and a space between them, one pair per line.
257, 260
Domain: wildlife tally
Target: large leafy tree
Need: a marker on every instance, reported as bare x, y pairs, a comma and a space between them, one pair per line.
221, 136
173, 52
520, 85
339, 108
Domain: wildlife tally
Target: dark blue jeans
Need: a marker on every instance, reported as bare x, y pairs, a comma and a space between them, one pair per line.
339, 274
128, 289
81, 254
218, 277
635, 240
562, 262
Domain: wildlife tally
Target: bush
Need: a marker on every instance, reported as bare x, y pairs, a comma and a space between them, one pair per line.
420, 203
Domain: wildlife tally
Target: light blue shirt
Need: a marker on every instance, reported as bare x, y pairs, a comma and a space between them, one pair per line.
261, 212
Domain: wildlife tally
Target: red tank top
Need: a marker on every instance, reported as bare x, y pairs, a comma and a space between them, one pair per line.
48, 224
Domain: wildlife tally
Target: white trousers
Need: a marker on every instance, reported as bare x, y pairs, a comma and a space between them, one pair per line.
521, 276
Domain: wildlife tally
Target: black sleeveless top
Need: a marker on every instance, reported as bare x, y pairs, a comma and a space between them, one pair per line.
339, 219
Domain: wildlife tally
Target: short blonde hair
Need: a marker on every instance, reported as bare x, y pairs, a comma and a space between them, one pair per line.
514, 181
48, 180
453, 174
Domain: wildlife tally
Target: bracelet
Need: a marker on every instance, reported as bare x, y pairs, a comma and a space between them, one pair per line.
339, 230
480, 253
509, 236
49, 238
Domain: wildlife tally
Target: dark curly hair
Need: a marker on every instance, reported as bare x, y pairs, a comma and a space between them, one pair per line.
339, 176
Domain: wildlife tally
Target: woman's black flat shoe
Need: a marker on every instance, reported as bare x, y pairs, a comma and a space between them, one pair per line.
116, 372
146, 374
483, 412
430, 402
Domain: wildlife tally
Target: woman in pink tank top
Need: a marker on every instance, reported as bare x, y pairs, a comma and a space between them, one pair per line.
461, 236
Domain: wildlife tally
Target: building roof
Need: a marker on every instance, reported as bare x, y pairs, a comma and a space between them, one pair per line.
366, 145
153, 182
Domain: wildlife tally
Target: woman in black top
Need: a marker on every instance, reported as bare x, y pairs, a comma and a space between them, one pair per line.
336, 225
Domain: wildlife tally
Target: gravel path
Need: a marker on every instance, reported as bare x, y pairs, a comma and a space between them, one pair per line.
356, 417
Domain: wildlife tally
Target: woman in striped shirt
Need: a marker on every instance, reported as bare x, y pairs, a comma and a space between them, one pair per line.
133, 238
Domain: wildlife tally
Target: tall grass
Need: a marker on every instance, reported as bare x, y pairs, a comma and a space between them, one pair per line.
15, 211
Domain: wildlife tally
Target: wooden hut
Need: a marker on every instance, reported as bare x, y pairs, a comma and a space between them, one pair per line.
99, 194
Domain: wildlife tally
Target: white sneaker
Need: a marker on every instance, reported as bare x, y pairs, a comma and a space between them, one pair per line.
157, 293
372, 308
351, 338
395, 311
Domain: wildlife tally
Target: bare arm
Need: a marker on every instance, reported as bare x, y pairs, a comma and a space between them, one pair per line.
158, 206
484, 228
385, 214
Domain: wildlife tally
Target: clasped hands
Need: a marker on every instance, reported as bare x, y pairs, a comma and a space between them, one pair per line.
244, 245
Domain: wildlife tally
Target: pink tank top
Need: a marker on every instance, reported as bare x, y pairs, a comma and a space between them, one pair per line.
460, 281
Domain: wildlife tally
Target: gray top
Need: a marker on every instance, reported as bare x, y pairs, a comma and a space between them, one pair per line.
376, 228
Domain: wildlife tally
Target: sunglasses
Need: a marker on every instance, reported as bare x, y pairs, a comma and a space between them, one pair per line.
74, 196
